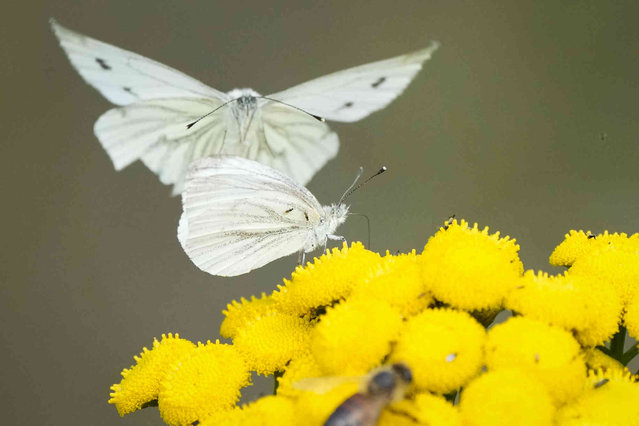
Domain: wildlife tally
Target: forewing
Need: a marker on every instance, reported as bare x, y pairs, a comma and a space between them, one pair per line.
157, 132
295, 143
354, 93
240, 215
124, 77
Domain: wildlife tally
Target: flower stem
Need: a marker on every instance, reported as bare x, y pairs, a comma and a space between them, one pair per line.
617, 344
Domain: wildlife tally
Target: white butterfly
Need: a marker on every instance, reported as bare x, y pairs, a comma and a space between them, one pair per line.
160, 106
239, 215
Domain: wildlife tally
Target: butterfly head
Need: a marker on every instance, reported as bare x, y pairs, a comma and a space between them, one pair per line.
335, 216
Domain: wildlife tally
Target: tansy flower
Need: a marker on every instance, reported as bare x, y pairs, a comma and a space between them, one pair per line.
468, 268
577, 303
443, 347
297, 369
269, 410
612, 399
237, 314
141, 383
631, 317
322, 396
613, 265
208, 381
354, 336
546, 352
580, 244
597, 360
423, 409
396, 280
269, 341
326, 280
506, 396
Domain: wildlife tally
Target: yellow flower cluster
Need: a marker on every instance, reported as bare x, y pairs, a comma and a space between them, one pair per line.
409, 338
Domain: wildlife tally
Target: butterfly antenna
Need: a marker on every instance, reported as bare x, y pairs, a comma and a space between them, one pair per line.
188, 126
317, 117
354, 188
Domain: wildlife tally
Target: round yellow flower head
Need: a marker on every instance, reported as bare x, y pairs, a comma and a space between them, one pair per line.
579, 304
269, 410
580, 244
507, 395
423, 409
398, 281
299, 368
237, 314
141, 383
546, 352
597, 360
468, 268
209, 381
354, 336
631, 317
443, 347
314, 406
612, 399
269, 341
327, 279
613, 265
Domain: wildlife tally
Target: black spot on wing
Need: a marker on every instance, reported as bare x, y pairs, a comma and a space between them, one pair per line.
103, 64
290, 210
378, 82
128, 90
347, 105
306, 216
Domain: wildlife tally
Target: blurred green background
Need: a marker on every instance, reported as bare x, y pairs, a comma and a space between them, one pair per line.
525, 121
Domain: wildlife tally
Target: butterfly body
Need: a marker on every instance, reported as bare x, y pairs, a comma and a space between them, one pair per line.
157, 106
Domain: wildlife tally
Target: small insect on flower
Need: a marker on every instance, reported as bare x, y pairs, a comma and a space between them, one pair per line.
239, 215
382, 386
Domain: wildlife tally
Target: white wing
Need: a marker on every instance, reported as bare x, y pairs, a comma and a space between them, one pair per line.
124, 77
296, 143
354, 93
240, 215
156, 131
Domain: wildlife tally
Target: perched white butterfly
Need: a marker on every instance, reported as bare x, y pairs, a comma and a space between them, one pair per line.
239, 215
168, 119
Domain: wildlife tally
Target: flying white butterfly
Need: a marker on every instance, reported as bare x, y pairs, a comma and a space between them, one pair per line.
166, 117
239, 215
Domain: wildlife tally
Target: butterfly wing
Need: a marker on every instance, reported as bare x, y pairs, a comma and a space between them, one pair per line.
295, 143
354, 93
156, 131
124, 77
239, 214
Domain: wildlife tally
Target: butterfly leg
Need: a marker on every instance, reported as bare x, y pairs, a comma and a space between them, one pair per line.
301, 257
335, 238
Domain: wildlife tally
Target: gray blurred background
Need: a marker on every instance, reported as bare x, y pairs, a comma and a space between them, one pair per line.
525, 120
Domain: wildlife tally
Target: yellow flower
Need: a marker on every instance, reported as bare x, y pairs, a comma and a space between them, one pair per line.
396, 280
443, 347
141, 383
613, 265
468, 268
506, 396
300, 367
314, 407
236, 315
208, 381
631, 317
597, 360
270, 410
354, 336
548, 353
424, 409
577, 303
269, 341
328, 279
580, 244
612, 399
